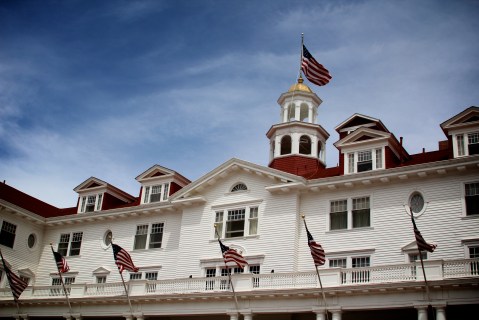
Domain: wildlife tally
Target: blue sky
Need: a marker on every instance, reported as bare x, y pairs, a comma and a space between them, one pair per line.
110, 88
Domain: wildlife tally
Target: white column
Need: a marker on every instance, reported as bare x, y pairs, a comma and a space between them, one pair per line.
297, 112
320, 314
285, 113
421, 313
233, 316
337, 315
248, 316
310, 113
440, 313
128, 316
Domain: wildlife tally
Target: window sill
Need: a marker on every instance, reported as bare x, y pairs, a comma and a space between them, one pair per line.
351, 230
471, 216
256, 236
147, 249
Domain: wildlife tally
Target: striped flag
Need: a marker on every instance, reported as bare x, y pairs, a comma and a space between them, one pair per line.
422, 245
17, 285
313, 70
62, 264
317, 251
231, 255
123, 259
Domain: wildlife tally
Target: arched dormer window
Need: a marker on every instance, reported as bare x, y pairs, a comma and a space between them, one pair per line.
286, 145
305, 145
239, 187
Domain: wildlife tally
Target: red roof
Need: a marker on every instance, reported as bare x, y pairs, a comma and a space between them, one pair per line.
32, 204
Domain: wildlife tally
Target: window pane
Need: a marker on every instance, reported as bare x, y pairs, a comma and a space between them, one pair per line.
147, 194
219, 223
63, 244
165, 192
472, 198
98, 206
351, 162
140, 237
365, 162
460, 145
235, 223
90, 204
337, 263
253, 221
379, 158
76, 243
156, 235
338, 215
361, 212
155, 193
7, 235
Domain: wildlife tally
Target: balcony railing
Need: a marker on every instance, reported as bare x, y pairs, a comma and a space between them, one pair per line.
332, 277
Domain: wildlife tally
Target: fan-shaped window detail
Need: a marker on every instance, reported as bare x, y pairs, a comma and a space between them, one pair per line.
239, 187
286, 145
305, 145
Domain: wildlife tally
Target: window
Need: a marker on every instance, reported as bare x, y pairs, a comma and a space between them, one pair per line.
305, 145
210, 273
413, 257
91, 203
255, 269
135, 276
350, 213
100, 279
472, 198
474, 265
366, 160
339, 215
286, 145
361, 212
107, 238
239, 187
238, 222
154, 238
70, 248
151, 276
156, 193
32, 240
7, 235
360, 275
57, 282
339, 263
416, 202
467, 144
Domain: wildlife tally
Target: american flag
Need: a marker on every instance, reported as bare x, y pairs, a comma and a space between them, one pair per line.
62, 264
317, 251
123, 259
313, 70
17, 285
231, 255
422, 245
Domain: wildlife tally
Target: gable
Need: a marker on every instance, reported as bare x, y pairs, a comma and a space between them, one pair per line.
469, 118
358, 121
362, 136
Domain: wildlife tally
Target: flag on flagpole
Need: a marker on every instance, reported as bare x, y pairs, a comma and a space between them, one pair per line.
313, 70
17, 285
317, 251
231, 255
422, 245
62, 264
123, 259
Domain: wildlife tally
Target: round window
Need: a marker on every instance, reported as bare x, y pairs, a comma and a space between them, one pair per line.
107, 238
32, 240
416, 202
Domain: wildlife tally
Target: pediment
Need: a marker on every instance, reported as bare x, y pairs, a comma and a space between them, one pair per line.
358, 121
90, 183
412, 246
154, 172
466, 119
362, 135
26, 273
101, 271
234, 166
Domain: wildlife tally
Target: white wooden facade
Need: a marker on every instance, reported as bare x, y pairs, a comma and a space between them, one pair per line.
284, 285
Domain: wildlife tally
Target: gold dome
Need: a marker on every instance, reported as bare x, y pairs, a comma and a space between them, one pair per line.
300, 86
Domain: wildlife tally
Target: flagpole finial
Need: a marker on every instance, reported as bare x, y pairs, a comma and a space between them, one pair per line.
51, 244
302, 215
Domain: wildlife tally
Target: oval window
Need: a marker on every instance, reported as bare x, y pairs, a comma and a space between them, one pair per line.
32, 240
107, 238
416, 202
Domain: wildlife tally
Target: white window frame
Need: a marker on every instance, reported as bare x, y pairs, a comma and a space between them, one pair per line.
461, 142
149, 229
349, 209
351, 160
10, 229
71, 235
464, 199
251, 216
83, 201
146, 192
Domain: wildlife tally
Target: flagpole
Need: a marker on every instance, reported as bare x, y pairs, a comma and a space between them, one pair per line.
122, 280
319, 278
301, 54
229, 275
8, 278
422, 262
61, 281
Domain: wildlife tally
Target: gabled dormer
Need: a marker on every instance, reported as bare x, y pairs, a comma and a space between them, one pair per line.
95, 195
366, 144
158, 183
463, 132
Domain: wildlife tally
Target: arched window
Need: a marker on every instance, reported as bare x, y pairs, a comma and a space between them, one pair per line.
304, 113
320, 150
305, 145
291, 112
239, 187
286, 145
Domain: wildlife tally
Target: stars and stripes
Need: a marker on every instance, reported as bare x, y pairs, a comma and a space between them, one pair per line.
313, 70
17, 285
231, 255
61, 262
422, 245
123, 259
317, 251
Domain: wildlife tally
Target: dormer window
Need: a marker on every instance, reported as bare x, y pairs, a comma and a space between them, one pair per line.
91, 203
156, 193
467, 144
365, 160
